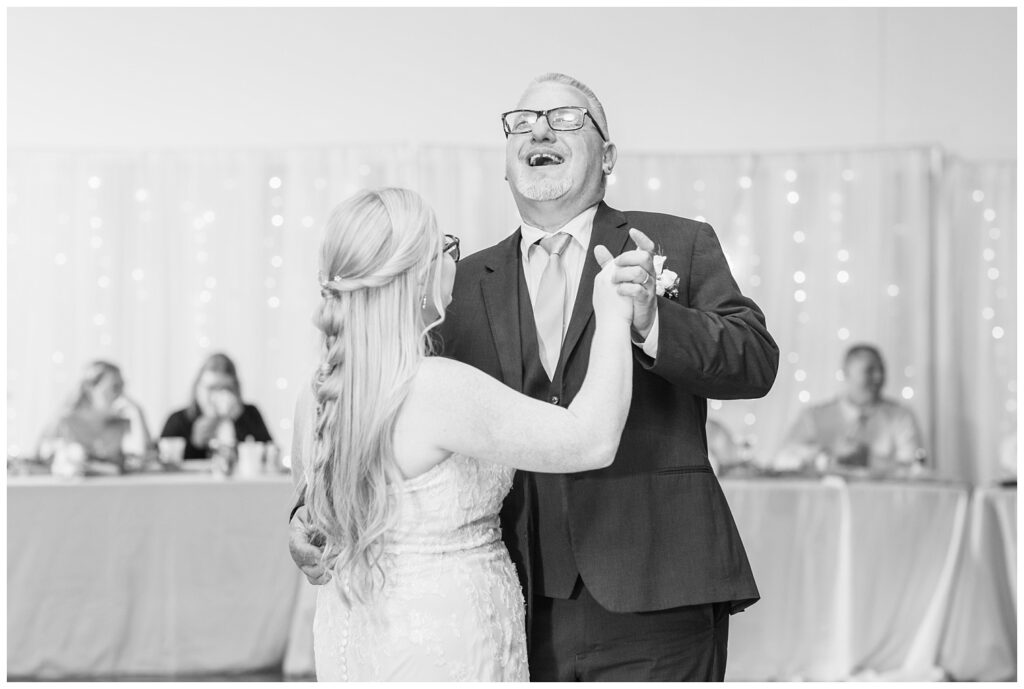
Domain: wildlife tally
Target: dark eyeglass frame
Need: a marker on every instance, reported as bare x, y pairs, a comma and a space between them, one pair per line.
544, 114
451, 247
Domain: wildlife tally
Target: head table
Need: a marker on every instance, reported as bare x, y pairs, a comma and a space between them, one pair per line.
185, 575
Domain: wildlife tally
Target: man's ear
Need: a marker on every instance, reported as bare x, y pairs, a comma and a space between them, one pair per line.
611, 154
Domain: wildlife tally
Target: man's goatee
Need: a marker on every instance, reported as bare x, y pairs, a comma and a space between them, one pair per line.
546, 189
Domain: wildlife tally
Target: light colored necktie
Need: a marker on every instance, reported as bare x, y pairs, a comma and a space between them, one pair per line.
550, 304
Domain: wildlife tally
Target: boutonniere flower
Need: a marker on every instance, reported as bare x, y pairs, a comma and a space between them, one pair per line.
666, 281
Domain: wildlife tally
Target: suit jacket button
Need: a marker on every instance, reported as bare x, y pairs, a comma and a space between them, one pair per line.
554, 399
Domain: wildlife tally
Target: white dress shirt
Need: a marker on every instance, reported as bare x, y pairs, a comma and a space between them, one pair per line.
535, 259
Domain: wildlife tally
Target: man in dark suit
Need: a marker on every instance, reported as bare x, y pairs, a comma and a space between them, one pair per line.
630, 572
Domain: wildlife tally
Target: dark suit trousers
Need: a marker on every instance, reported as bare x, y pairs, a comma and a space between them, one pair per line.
577, 640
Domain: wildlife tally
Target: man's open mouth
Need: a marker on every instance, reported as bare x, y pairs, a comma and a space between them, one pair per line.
541, 159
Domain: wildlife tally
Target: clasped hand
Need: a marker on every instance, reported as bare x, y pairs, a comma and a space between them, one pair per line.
306, 553
633, 275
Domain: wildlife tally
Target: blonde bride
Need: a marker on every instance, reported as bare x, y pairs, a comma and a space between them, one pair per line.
405, 458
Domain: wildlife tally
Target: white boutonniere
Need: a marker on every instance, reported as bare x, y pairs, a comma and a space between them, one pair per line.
666, 281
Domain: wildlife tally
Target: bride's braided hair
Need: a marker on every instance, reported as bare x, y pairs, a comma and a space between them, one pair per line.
376, 255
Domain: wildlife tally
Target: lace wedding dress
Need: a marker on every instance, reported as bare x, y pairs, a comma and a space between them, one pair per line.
451, 607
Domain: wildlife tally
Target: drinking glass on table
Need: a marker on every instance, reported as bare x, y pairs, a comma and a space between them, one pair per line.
250, 457
172, 451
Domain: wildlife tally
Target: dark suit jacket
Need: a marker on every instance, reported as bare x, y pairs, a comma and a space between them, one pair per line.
652, 531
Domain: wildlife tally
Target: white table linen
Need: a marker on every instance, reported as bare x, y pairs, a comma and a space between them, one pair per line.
161, 575
981, 634
185, 575
854, 578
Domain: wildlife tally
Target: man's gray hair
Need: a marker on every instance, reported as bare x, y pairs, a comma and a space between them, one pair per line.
594, 105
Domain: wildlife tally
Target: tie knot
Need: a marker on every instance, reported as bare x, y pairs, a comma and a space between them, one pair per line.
555, 244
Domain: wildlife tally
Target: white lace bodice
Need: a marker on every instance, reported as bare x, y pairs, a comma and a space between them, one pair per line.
451, 607
452, 507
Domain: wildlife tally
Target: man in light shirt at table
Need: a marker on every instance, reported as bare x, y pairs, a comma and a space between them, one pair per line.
859, 429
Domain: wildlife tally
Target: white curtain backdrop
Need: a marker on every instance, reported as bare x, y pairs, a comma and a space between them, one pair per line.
155, 259
976, 315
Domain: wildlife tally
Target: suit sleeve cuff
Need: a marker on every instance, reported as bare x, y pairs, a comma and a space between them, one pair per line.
650, 345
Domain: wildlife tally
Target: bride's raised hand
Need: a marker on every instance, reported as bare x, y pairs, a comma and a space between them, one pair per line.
608, 303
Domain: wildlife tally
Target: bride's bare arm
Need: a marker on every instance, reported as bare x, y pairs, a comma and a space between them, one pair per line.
473, 414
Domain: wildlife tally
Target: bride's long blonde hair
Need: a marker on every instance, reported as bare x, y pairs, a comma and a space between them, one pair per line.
376, 257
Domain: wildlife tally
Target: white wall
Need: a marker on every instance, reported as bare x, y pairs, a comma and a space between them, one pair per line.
672, 79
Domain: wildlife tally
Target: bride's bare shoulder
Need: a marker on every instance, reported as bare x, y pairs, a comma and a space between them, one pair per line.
438, 370
439, 379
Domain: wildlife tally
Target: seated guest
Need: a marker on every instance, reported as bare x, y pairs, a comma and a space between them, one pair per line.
859, 428
99, 425
217, 414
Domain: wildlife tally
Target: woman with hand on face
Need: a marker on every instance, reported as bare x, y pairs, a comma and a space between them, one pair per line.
217, 414
99, 427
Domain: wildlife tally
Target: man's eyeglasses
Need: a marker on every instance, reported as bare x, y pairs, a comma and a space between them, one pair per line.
564, 119
451, 246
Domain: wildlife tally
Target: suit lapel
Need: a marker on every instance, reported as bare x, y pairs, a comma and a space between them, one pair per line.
501, 301
612, 230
